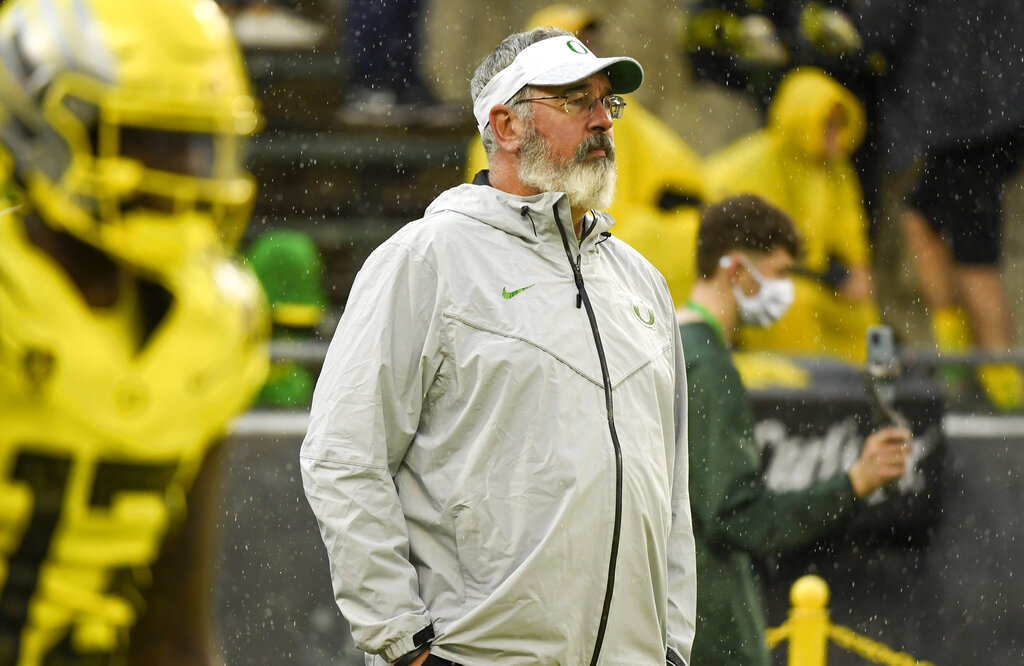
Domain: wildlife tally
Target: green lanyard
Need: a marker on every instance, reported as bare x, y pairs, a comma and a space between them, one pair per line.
708, 319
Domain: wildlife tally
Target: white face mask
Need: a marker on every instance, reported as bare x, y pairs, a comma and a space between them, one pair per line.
769, 303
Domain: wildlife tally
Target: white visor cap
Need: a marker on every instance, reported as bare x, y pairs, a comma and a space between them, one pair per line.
556, 61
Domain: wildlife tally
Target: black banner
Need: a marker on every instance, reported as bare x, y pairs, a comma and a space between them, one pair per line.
893, 569
809, 435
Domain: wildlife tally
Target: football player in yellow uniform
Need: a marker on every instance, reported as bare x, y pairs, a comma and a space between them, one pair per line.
129, 337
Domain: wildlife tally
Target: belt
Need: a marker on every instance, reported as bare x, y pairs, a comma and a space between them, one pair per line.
434, 660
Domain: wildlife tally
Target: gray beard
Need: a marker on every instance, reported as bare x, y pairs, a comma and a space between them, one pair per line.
590, 185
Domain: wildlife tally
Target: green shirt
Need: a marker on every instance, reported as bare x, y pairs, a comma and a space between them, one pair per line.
736, 517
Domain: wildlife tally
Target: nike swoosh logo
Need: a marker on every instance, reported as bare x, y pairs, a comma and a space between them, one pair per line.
505, 293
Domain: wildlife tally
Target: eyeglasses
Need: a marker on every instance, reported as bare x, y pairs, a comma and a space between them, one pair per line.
582, 102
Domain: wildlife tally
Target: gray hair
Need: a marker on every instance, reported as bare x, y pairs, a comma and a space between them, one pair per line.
497, 60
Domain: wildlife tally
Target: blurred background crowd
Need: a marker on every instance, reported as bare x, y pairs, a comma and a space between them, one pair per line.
889, 131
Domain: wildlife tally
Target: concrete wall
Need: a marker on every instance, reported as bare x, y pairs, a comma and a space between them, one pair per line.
953, 600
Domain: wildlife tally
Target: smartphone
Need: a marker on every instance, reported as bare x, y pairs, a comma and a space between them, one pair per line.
883, 369
882, 349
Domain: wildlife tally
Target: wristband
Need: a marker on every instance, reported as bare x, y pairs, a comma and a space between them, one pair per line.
422, 640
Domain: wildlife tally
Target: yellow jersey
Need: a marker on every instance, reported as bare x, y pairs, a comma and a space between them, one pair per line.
101, 438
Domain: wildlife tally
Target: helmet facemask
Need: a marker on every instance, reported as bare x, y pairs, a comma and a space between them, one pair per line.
147, 186
132, 142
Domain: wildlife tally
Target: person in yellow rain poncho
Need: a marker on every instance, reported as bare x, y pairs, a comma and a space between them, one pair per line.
659, 186
800, 162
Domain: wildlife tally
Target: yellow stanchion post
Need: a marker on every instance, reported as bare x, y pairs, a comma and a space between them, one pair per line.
808, 622
808, 631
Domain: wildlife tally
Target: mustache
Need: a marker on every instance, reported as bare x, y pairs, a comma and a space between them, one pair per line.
594, 142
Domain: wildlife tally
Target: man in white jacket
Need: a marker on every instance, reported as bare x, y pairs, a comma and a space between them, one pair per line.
497, 450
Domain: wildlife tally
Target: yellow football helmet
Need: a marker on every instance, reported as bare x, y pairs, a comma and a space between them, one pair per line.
123, 122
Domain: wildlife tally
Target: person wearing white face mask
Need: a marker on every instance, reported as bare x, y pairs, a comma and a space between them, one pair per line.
745, 249
773, 297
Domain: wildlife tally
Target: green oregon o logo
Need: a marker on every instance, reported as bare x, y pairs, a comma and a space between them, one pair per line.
577, 47
643, 311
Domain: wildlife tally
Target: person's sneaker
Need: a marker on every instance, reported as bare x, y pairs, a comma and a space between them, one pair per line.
952, 334
375, 108
428, 110
272, 27
411, 106
1003, 385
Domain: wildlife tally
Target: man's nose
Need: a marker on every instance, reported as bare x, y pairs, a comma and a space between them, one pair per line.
600, 118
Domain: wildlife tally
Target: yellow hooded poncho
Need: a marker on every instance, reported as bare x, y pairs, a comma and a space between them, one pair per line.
786, 164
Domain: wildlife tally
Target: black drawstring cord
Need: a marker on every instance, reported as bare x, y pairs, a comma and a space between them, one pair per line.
579, 291
577, 275
525, 212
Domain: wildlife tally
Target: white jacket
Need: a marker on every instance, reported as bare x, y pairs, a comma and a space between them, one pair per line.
460, 457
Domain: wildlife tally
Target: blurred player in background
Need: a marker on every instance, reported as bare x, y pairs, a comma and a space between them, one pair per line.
291, 272
128, 335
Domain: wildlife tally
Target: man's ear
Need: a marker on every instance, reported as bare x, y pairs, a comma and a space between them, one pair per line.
731, 266
507, 127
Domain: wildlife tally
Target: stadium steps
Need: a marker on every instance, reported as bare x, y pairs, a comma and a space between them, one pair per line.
349, 187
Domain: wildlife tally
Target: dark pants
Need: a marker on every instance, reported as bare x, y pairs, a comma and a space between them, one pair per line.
433, 660
960, 194
384, 43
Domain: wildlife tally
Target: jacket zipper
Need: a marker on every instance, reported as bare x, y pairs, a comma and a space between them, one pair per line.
582, 297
